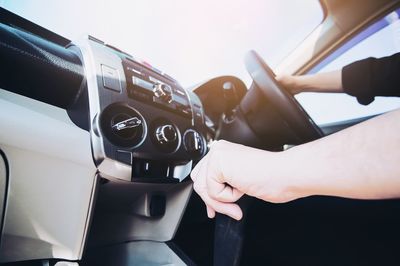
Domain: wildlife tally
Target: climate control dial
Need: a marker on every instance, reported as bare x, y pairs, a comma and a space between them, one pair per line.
194, 143
166, 134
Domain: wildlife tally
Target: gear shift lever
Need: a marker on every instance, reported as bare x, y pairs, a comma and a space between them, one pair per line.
229, 236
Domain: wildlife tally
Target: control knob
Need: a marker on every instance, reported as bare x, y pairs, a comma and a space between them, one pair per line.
163, 92
166, 134
193, 142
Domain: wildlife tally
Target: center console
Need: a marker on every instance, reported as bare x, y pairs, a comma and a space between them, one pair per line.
146, 131
144, 126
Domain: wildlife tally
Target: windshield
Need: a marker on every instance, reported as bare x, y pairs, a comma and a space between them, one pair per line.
189, 40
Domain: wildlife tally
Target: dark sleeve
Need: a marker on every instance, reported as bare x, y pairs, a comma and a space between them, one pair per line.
372, 77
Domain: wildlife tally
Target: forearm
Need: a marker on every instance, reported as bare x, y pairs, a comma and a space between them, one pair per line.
359, 162
321, 82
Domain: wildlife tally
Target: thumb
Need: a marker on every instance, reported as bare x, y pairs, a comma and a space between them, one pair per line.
223, 192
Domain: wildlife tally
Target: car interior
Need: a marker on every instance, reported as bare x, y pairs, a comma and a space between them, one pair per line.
97, 146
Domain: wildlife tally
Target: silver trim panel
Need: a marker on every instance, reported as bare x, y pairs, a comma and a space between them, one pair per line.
93, 52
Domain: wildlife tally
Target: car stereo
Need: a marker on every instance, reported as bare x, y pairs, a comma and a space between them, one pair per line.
155, 88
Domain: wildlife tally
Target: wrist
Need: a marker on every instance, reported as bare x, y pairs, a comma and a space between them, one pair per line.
290, 83
294, 179
301, 84
272, 178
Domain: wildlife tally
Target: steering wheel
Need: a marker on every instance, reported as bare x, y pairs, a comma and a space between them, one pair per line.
284, 102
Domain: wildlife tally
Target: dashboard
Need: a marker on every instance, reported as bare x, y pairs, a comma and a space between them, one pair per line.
144, 125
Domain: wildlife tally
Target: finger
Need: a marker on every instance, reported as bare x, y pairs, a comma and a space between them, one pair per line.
231, 209
200, 175
225, 193
210, 212
217, 187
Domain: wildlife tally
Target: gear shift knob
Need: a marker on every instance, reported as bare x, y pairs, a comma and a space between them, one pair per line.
230, 99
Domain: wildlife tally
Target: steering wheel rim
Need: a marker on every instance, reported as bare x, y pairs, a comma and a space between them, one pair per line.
284, 102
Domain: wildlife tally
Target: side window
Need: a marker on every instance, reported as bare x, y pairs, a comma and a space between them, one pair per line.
378, 40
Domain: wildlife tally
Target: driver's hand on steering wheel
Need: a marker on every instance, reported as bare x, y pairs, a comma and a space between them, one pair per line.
231, 170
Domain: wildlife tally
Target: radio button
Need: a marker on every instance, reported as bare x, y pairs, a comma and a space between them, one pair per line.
111, 78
